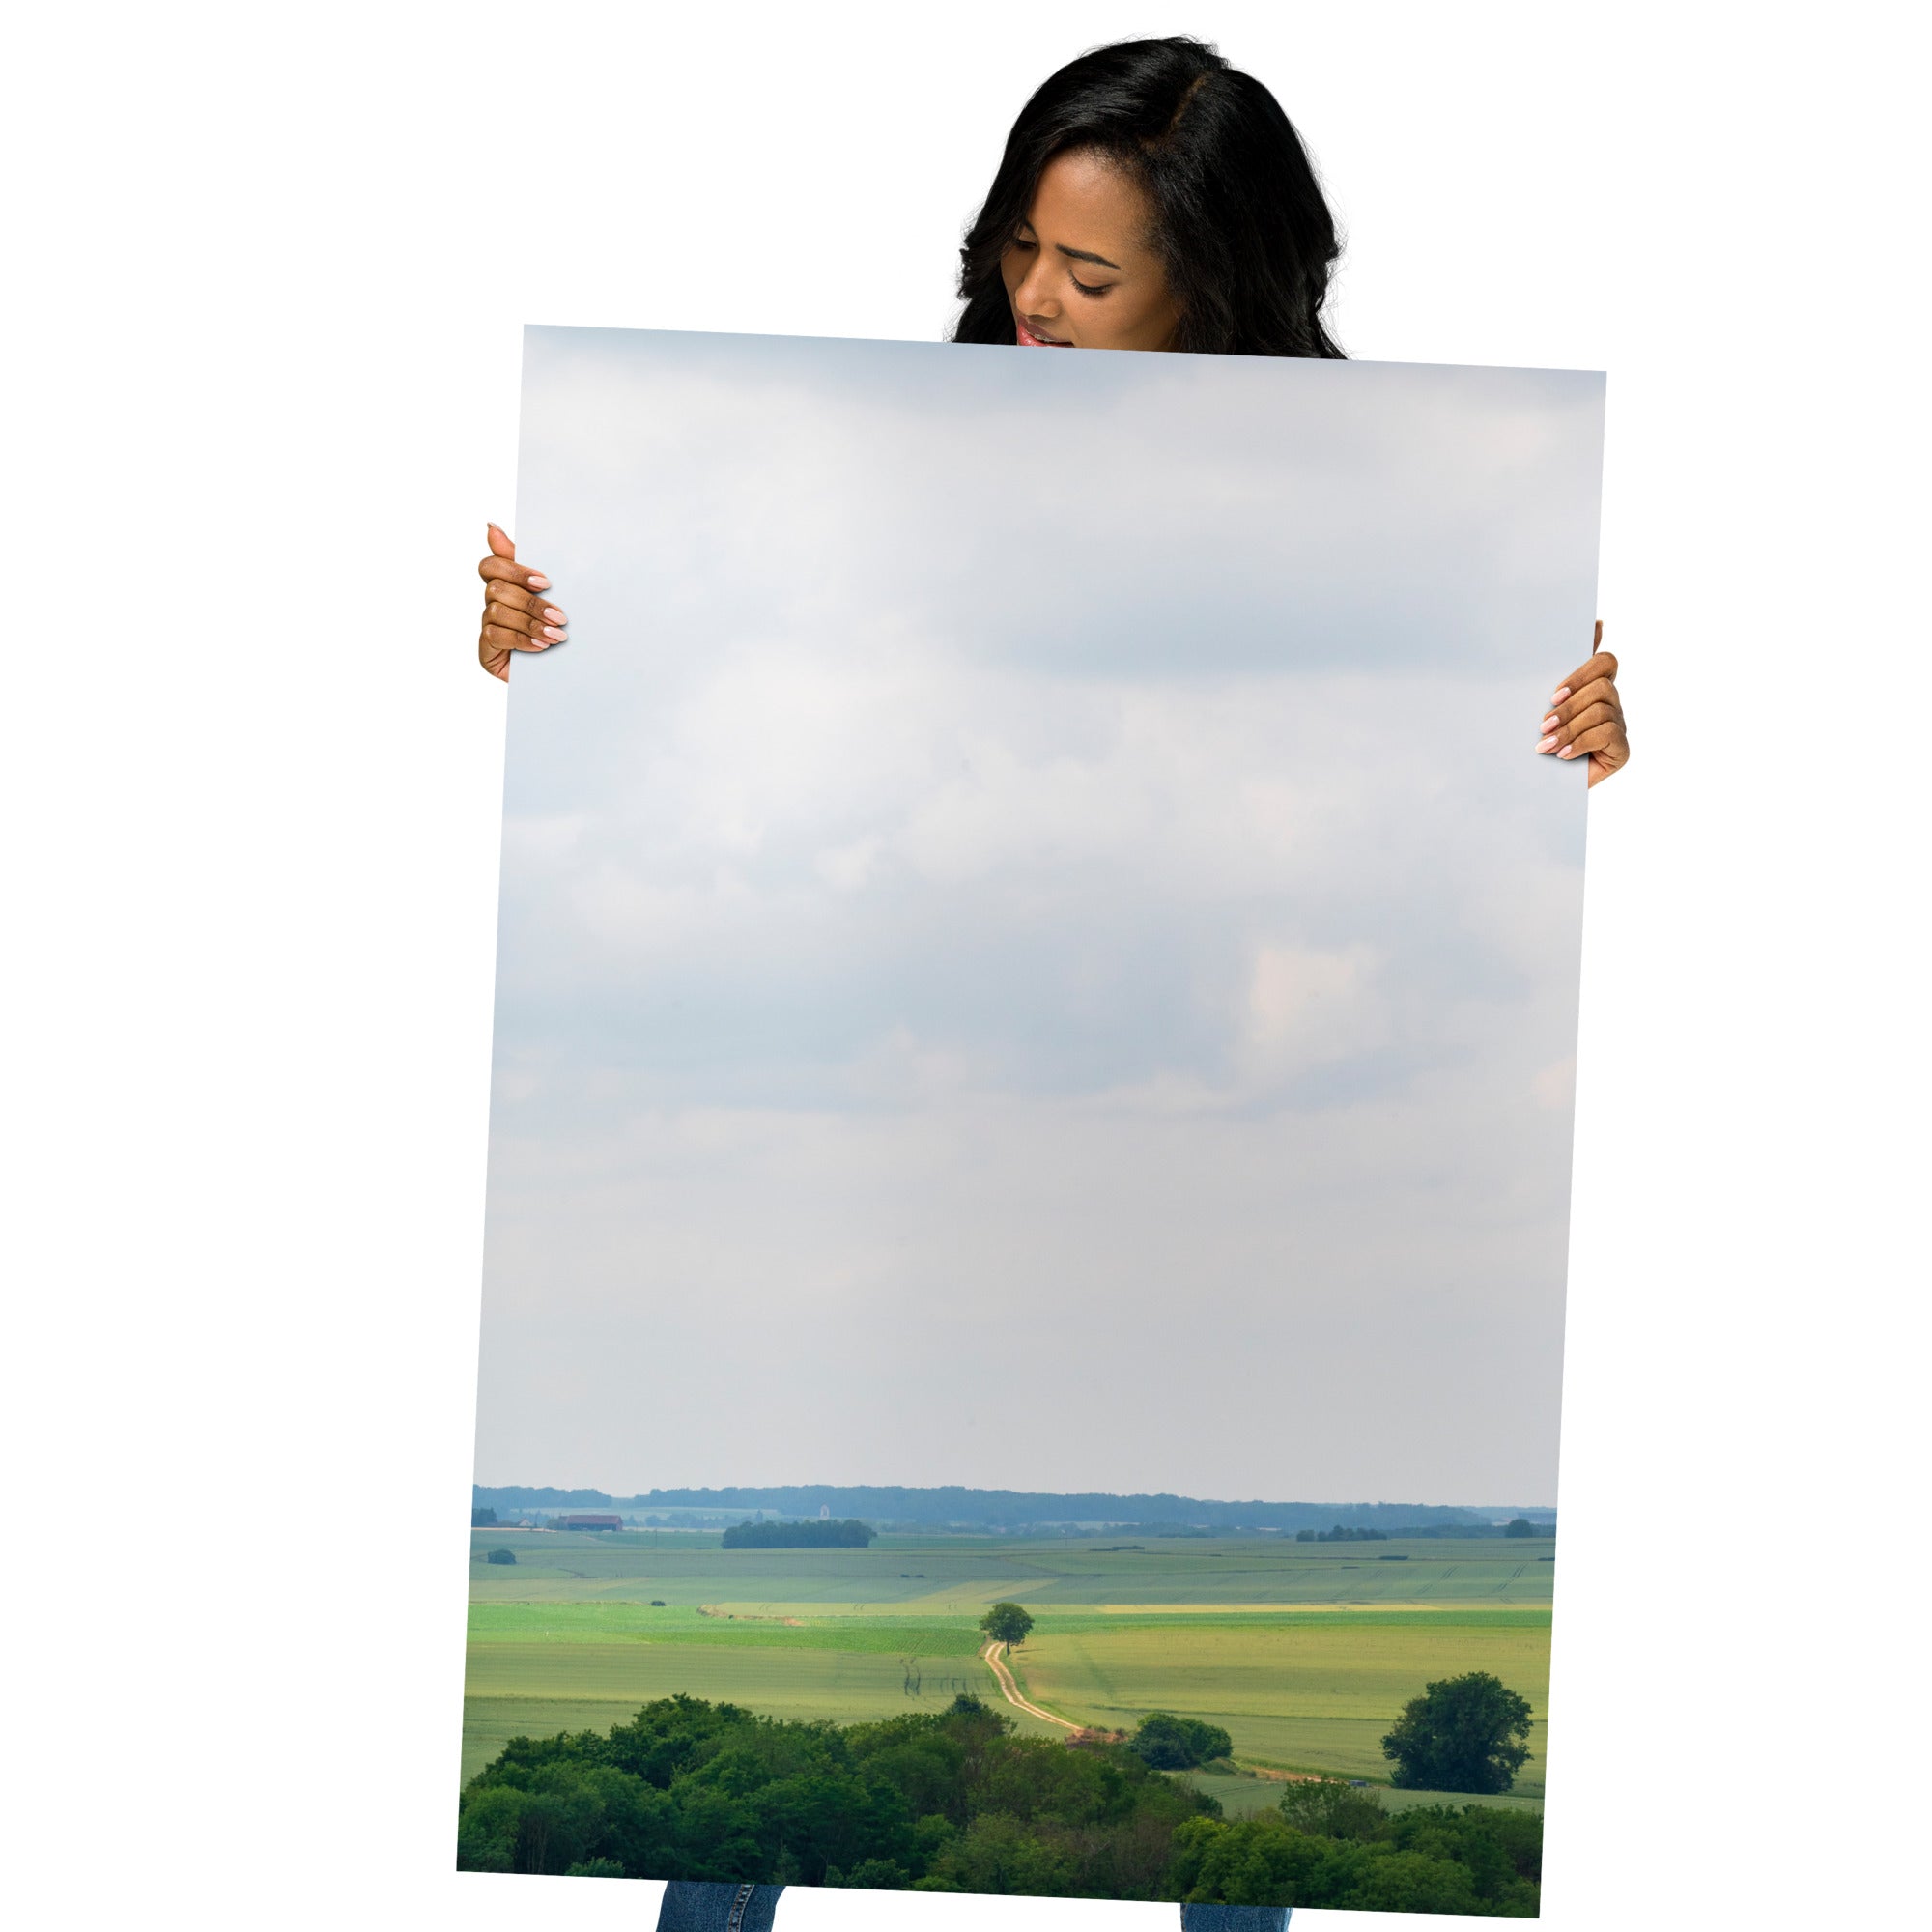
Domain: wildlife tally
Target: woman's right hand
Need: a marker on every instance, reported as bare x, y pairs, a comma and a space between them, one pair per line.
517, 615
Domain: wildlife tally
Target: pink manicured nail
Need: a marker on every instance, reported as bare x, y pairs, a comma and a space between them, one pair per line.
1568, 752
1557, 699
554, 634
554, 616
543, 584
1546, 744
1550, 724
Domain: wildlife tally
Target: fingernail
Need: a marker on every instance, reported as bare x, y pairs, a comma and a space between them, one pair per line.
554, 634
498, 527
1550, 724
543, 584
1568, 752
1557, 699
554, 616
538, 645
1547, 743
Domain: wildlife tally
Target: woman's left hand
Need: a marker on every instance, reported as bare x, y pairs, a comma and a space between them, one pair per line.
1586, 716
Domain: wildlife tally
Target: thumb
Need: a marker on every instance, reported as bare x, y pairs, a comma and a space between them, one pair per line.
500, 545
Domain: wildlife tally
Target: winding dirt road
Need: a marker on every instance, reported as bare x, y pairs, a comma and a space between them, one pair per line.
995, 1657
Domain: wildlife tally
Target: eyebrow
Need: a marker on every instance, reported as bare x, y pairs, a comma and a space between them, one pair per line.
1079, 254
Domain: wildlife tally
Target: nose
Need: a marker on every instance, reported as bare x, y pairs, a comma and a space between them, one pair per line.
1035, 295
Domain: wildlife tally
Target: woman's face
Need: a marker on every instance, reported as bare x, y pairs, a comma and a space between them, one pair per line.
1079, 273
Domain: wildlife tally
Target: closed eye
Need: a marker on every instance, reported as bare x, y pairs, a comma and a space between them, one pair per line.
1085, 288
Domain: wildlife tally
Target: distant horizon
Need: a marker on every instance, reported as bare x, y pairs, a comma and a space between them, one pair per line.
740, 1495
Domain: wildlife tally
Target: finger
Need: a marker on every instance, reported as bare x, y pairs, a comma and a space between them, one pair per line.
1603, 666
1604, 738
496, 663
501, 569
501, 544
514, 597
1589, 720
1598, 691
500, 637
501, 617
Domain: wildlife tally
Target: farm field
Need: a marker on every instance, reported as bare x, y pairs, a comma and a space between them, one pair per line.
1304, 1652
962, 1573
1307, 1694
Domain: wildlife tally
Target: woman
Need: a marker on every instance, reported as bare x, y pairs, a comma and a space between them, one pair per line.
1151, 197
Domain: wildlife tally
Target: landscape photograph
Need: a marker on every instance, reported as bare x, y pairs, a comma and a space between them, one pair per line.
1028, 1207
1248, 1676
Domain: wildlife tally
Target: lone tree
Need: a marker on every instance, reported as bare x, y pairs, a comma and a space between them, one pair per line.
1463, 1734
1007, 1623
1519, 1525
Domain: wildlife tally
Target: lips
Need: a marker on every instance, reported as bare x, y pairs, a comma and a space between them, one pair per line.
1029, 339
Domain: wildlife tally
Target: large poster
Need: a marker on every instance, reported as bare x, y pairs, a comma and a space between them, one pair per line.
1031, 1131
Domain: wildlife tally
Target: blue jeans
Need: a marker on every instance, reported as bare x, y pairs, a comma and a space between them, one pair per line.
692, 1907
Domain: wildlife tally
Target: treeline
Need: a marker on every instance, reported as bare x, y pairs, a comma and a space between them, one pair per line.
958, 1802
1330, 1845
951, 1505
816, 1533
1340, 1534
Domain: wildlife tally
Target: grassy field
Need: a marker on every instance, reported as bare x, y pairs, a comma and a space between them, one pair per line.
1308, 1693
1304, 1652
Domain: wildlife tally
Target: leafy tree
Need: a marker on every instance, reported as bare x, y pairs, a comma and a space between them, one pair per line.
1433, 1860
596, 1868
1463, 1734
873, 1875
1007, 1623
482, 1519
1519, 1526
1329, 1807
1168, 1743
502, 1557
997, 1852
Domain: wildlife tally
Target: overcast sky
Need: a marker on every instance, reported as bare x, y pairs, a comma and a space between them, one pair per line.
1034, 949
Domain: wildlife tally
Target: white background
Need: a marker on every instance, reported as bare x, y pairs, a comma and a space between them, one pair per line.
268, 266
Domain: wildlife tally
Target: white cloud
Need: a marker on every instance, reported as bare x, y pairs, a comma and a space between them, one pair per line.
1309, 1009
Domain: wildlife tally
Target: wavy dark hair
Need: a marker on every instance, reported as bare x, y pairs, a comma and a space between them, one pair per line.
1240, 224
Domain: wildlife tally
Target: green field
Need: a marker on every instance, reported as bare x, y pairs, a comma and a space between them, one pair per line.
1304, 1652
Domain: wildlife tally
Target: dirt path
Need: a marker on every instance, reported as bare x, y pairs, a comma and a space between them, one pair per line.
1010, 1690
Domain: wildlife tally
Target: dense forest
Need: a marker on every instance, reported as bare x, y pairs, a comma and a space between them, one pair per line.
956, 1802
818, 1533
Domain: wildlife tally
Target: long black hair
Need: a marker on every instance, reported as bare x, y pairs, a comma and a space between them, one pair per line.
1240, 224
